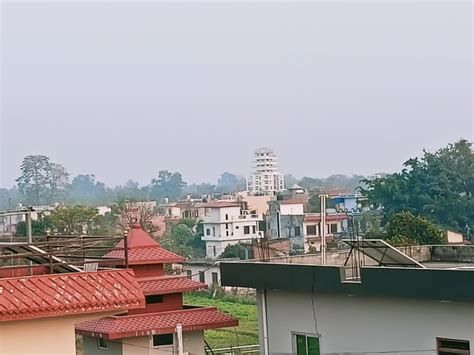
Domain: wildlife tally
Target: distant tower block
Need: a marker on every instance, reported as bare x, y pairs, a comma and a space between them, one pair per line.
265, 178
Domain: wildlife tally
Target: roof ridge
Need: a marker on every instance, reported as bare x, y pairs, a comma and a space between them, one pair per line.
142, 315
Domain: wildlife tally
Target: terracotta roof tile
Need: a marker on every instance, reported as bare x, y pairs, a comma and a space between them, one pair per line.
117, 327
143, 249
168, 284
146, 255
64, 294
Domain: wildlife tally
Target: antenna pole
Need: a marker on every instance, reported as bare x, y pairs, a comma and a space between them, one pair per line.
323, 228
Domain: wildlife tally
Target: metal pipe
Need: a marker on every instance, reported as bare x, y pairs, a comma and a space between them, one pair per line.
265, 323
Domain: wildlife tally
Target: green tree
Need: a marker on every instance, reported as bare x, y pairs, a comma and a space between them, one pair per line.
168, 184
231, 251
73, 220
32, 183
438, 186
404, 228
41, 181
39, 227
86, 190
184, 239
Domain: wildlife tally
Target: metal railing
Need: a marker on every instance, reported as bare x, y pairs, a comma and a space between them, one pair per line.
235, 350
61, 252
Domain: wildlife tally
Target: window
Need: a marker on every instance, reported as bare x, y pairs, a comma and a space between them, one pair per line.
311, 230
208, 231
214, 278
227, 226
214, 250
226, 217
154, 299
189, 274
452, 346
246, 229
333, 228
202, 278
162, 340
226, 233
306, 344
297, 231
213, 231
101, 343
253, 229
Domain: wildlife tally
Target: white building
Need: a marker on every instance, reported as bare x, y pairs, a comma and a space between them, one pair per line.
265, 177
224, 223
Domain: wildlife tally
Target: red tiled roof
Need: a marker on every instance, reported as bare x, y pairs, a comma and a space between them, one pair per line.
143, 249
168, 284
117, 327
65, 294
329, 217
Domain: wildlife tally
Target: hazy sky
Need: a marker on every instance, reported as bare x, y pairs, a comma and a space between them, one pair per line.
125, 89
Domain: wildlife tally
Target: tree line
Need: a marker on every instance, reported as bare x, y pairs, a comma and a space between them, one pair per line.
44, 182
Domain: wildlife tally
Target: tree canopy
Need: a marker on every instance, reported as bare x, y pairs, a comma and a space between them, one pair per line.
41, 181
437, 186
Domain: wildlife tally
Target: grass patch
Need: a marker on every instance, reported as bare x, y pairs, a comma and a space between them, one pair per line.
245, 334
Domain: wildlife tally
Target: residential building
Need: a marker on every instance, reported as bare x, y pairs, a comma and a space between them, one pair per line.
395, 309
206, 271
226, 223
153, 329
265, 178
257, 203
181, 210
285, 220
38, 313
350, 203
335, 223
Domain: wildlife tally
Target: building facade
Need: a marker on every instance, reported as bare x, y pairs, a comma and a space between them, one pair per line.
225, 223
313, 310
265, 178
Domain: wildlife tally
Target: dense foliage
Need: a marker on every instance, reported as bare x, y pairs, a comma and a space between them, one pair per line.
184, 238
438, 186
404, 228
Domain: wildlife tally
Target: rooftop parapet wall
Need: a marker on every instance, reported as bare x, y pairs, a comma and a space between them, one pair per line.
415, 283
452, 253
420, 253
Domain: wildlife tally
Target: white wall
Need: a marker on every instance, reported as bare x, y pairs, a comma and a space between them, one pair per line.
350, 325
291, 209
48, 336
207, 273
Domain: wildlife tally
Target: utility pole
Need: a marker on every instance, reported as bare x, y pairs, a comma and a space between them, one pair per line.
323, 228
179, 335
29, 236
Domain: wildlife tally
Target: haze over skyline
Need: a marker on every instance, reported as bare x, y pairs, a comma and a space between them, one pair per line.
125, 89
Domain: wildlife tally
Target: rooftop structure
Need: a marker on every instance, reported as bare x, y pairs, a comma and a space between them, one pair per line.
265, 178
155, 327
392, 308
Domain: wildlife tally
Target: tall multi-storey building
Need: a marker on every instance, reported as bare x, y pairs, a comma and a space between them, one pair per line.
225, 223
265, 177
